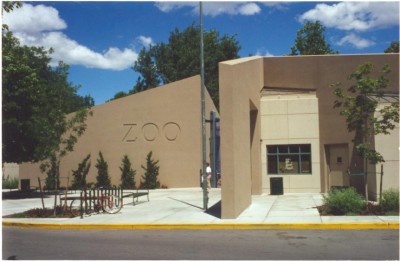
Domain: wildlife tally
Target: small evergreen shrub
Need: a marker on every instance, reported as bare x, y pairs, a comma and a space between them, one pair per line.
390, 200
79, 181
9, 183
151, 173
103, 179
343, 201
53, 169
127, 174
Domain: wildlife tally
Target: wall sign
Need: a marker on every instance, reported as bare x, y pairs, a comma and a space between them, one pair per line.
150, 132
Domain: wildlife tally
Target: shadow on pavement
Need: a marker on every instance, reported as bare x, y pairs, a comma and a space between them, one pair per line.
25, 194
185, 202
215, 210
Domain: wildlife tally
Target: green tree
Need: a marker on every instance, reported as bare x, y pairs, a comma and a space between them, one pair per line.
36, 99
310, 40
359, 105
151, 172
103, 179
80, 173
145, 65
69, 131
127, 174
118, 95
179, 58
52, 172
393, 48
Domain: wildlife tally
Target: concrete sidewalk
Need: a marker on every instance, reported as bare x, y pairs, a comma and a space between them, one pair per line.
182, 209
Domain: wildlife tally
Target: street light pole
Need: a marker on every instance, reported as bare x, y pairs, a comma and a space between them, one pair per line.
203, 113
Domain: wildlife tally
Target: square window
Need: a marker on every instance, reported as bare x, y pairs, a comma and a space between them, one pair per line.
293, 148
288, 164
272, 165
306, 164
272, 149
283, 149
289, 159
305, 148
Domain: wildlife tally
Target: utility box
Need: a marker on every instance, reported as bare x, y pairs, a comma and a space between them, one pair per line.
25, 184
276, 186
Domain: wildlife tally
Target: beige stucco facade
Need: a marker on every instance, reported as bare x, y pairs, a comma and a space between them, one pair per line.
255, 114
294, 119
265, 102
165, 120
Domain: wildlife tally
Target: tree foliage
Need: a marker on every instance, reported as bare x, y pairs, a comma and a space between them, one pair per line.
310, 40
127, 174
52, 172
179, 58
80, 173
36, 98
358, 105
393, 48
103, 179
150, 176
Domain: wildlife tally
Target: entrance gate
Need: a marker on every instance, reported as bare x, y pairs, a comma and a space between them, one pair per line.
215, 159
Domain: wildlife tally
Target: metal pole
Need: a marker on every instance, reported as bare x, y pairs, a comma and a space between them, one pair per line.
213, 148
380, 186
203, 112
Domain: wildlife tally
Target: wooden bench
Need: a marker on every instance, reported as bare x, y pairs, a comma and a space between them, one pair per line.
136, 195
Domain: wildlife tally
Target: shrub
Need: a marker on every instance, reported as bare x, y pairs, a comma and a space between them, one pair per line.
151, 173
9, 183
127, 174
390, 200
53, 169
80, 173
343, 201
103, 179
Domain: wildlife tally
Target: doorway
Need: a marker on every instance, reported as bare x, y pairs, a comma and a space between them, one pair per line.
338, 165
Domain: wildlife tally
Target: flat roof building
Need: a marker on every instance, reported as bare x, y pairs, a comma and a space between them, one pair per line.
277, 124
278, 121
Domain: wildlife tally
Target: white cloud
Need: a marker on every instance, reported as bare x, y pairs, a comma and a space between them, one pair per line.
263, 52
145, 41
360, 16
40, 25
167, 7
212, 8
356, 41
33, 19
276, 5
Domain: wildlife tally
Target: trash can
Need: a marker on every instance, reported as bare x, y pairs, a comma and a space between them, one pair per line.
276, 186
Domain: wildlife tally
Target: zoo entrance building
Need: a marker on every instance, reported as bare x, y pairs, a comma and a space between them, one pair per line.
279, 132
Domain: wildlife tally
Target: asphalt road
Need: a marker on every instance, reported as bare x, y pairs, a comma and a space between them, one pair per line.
24, 243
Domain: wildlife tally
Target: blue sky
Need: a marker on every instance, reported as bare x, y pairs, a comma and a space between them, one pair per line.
101, 40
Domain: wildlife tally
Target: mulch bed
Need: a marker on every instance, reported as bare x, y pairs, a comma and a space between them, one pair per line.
44, 213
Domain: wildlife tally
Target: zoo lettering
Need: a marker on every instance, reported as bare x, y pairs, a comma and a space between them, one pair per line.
170, 131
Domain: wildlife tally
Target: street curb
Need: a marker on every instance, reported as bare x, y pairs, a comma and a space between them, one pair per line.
208, 226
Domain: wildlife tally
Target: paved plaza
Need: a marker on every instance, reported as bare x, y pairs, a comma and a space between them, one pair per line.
183, 208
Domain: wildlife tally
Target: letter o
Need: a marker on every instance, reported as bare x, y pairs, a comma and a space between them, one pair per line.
171, 131
150, 131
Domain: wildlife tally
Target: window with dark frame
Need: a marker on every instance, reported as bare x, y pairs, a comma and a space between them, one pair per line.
289, 159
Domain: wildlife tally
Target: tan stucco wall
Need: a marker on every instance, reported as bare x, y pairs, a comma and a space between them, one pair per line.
388, 147
291, 119
10, 170
165, 120
241, 81
319, 72
240, 84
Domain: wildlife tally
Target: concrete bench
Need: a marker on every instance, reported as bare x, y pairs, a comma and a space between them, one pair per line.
138, 193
